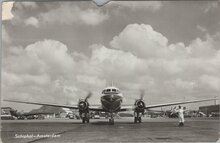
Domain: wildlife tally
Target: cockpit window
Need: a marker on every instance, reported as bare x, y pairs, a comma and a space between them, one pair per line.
113, 90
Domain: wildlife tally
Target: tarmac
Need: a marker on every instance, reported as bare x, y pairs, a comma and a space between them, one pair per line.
99, 130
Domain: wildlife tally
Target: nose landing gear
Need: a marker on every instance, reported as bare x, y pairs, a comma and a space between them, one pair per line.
111, 119
85, 117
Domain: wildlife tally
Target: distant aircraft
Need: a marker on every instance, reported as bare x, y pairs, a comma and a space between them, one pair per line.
111, 102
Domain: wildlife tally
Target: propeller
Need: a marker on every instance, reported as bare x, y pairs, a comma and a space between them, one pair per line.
88, 96
140, 102
83, 103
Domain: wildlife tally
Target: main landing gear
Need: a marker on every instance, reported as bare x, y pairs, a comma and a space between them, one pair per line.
111, 119
85, 117
137, 117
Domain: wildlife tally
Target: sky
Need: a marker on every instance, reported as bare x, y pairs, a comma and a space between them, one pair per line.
57, 52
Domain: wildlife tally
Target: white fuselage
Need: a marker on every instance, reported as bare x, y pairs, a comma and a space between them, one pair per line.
111, 99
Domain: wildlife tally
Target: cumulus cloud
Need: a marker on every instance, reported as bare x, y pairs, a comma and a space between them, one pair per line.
200, 48
110, 59
68, 13
141, 40
176, 64
139, 58
6, 10
46, 55
34, 69
32, 21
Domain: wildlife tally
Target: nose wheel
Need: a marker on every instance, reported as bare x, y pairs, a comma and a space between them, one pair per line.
84, 120
111, 121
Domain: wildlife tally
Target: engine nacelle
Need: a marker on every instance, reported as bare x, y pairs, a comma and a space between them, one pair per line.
83, 105
139, 105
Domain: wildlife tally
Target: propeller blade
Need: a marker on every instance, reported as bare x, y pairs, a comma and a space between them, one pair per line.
88, 96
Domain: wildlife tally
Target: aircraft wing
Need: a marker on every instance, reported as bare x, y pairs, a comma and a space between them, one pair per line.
47, 104
130, 107
92, 107
178, 103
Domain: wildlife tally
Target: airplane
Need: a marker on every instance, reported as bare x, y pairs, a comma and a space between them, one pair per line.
111, 102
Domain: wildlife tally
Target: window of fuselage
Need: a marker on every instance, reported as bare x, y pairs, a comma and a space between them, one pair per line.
108, 90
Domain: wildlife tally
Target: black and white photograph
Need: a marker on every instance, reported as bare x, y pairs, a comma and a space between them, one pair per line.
110, 71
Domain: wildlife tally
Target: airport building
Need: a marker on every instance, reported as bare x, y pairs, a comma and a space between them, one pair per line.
208, 110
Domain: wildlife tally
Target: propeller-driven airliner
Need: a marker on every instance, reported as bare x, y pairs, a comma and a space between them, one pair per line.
111, 102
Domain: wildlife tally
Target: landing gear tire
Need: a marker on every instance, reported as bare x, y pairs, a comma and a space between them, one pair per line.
111, 121
181, 124
139, 119
87, 120
83, 121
